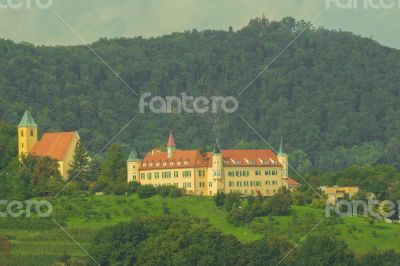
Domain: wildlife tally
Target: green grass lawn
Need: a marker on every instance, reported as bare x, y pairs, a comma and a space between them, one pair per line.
83, 217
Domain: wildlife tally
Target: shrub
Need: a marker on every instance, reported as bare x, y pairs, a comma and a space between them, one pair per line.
146, 191
239, 216
175, 192
219, 199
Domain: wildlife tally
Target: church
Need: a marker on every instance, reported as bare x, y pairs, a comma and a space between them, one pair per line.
59, 146
249, 172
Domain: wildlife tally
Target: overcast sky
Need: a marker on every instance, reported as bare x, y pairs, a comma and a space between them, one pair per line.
93, 19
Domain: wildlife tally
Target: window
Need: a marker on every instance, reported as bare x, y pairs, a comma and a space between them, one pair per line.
31, 133
217, 173
209, 184
157, 164
149, 176
231, 183
268, 183
168, 174
22, 133
239, 183
201, 184
187, 173
144, 164
238, 173
258, 183
150, 164
186, 162
245, 173
171, 163
156, 175
175, 174
202, 173
258, 172
187, 184
22, 145
164, 164
164, 175
246, 183
142, 176
252, 183
231, 173
178, 163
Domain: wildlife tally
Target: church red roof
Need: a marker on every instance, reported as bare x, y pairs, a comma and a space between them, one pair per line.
54, 145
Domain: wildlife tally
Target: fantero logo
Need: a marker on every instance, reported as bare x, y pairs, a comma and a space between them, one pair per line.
187, 104
25, 4
362, 4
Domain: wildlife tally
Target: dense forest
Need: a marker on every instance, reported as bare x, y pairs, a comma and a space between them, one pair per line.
332, 95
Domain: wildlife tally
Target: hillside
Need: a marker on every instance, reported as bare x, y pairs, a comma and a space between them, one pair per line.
333, 95
43, 243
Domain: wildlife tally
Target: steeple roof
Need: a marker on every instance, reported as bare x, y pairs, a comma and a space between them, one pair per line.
171, 141
27, 120
217, 149
133, 156
281, 151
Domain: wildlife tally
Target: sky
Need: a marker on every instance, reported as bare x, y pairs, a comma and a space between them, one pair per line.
41, 23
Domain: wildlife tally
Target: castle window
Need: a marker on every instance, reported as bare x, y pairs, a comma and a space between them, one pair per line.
202, 173
164, 163
186, 163
22, 145
149, 176
231, 183
156, 175
238, 173
134, 177
142, 176
201, 184
175, 174
31, 133
245, 173
258, 172
239, 183
22, 133
171, 163
210, 184
231, 173
178, 163
246, 183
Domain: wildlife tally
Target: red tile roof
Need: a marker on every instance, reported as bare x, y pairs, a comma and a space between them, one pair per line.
171, 141
250, 158
292, 182
193, 158
54, 145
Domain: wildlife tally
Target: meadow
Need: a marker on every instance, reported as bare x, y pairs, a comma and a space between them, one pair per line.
42, 242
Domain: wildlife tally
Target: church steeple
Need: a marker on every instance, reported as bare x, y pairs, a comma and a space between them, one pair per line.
27, 134
283, 160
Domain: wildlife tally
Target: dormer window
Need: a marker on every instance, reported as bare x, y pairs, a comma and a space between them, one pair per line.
150, 164
157, 164
164, 163
171, 163
186, 162
178, 163
144, 164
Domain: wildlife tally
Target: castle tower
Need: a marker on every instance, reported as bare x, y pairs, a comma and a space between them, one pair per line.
133, 166
171, 144
27, 134
283, 159
217, 170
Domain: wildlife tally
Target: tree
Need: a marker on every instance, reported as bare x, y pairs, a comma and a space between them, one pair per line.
81, 167
114, 167
324, 250
279, 204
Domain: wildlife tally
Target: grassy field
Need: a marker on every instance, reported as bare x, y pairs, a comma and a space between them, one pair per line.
83, 217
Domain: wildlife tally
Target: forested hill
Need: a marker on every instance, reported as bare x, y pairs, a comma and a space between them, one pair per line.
333, 95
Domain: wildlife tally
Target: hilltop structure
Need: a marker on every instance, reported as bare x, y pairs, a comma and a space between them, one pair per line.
249, 172
59, 146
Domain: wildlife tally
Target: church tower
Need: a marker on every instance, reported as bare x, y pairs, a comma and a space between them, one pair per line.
283, 159
27, 134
